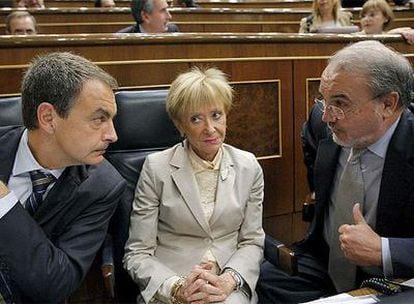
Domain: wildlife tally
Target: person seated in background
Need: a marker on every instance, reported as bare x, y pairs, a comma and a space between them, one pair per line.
20, 23
376, 16
196, 223
7, 3
151, 16
31, 3
104, 3
187, 3
57, 192
325, 13
359, 152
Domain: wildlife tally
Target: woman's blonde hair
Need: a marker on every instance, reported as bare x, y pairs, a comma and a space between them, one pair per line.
196, 88
380, 5
336, 7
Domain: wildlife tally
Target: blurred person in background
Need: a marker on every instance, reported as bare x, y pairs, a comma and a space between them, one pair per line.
325, 13
105, 3
31, 3
151, 16
376, 16
20, 23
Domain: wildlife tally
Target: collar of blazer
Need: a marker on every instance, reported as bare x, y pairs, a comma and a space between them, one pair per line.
187, 185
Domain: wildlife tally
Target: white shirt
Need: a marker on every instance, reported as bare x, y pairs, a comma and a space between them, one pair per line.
20, 183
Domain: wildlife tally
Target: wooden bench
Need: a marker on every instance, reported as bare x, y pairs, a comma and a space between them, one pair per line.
189, 26
123, 14
202, 3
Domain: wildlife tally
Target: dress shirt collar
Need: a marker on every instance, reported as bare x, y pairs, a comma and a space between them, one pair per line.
200, 164
25, 161
141, 29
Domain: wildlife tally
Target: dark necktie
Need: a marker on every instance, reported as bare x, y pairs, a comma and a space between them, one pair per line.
350, 191
40, 182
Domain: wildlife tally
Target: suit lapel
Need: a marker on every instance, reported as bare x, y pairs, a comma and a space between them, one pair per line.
326, 160
397, 177
62, 194
185, 181
225, 184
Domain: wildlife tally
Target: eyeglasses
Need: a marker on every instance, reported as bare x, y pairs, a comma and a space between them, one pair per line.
332, 110
335, 111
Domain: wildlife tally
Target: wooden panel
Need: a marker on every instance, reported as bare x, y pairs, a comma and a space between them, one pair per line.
202, 3
257, 120
81, 3
307, 75
287, 228
187, 26
299, 227
279, 227
255, 3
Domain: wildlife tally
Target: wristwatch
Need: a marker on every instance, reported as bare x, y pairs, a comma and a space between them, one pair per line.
236, 277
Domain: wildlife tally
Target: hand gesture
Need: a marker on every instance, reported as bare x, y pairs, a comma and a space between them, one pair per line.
359, 243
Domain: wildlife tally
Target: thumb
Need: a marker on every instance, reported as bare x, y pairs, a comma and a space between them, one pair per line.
358, 217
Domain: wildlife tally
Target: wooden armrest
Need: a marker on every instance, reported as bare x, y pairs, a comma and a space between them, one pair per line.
280, 255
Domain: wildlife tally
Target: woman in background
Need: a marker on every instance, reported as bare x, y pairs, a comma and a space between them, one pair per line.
376, 16
196, 224
325, 13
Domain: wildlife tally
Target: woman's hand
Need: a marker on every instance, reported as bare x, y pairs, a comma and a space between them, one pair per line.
215, 289
202, 286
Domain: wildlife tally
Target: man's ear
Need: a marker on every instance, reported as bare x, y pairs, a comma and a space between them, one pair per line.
391, 103
46, 117
144, 17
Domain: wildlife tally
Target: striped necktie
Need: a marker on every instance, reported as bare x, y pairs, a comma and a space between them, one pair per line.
40, 182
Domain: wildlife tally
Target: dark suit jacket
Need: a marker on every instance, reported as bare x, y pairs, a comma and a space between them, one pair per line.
49, 254
395, 214
172, 28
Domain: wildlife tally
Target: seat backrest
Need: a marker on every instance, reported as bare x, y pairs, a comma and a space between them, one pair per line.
11, 111
143, 127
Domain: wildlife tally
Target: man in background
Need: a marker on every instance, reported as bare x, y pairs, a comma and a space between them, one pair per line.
21, 23
151, 16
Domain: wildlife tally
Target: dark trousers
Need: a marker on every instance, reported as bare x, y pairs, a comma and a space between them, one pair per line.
312, 282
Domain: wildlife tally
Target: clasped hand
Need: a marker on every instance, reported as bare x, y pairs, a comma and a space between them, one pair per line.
202, 285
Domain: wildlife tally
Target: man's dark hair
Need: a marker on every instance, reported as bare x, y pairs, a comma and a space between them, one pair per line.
137, 6
57, 78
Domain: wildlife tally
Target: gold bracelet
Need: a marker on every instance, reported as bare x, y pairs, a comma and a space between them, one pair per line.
174, 291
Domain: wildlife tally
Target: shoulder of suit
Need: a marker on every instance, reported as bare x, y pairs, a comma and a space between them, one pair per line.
106, 173
9, 132
237, 154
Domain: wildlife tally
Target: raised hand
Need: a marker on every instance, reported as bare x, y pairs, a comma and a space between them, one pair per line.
360, 244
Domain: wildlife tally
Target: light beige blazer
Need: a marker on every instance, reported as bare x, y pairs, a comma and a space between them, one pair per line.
169, 232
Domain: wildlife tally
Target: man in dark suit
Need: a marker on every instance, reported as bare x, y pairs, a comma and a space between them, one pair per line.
151, 16
49, 239
366, 90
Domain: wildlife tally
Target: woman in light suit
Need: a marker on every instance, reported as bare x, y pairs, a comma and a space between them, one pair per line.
196, 226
